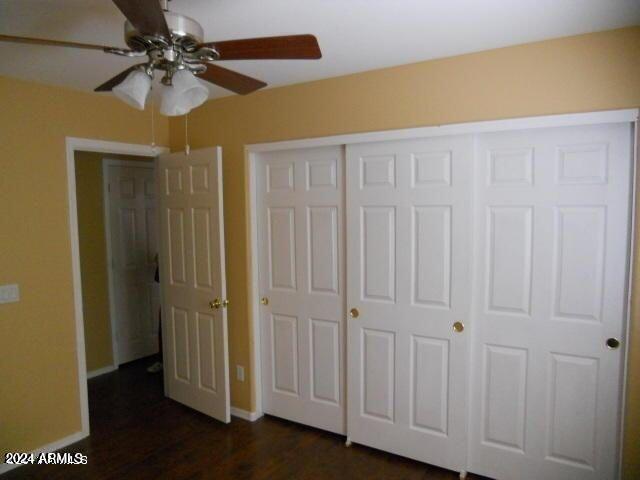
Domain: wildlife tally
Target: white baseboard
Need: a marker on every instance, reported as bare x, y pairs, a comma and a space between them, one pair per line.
50, 447
245, 415
101, 371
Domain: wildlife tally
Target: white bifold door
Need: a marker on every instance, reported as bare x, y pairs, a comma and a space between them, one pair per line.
408, 281
132, 230
300, 219
552, 222
192, 278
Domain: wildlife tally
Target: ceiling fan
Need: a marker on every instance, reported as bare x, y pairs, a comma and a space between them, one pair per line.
174, 44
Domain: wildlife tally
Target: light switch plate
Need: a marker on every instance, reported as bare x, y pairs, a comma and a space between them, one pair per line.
240, 373
9, 293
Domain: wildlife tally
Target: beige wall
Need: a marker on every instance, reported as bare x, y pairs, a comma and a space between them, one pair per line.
93, 256
39, 400
577, 74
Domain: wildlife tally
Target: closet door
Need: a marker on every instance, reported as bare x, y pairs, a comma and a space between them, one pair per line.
408, 277
300, 222
552, 216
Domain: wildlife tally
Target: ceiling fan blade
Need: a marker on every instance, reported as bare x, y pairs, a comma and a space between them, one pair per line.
54, 43
234, 81
146, 15
109, 84
294, 47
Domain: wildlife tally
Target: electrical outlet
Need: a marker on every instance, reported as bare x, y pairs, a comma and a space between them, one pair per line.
9, 293
240, 373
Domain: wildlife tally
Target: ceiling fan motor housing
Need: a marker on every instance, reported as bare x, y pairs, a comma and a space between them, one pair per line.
186, 34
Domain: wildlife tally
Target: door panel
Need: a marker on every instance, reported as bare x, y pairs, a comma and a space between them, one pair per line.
509, 256
282, 243
573, 385
203, 276
431, 235
378, 371
176, 246
322, 232
579, 265
284, 329
132, 245
505, 380
378, 253
301, 267
552, 220
408, 275
325, 360
207, 351
430, 384
180, 330
192, 275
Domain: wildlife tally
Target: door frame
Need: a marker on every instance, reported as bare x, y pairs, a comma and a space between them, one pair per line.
252, 156
72, 145
106, 163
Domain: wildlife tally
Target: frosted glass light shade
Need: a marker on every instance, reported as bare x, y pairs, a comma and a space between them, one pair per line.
172, 102
134, 89
185, 93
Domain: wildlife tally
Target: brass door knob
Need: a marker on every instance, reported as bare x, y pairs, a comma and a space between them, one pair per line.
215, 304
354, 313
264, 301
612, 343
458, 327
225, 303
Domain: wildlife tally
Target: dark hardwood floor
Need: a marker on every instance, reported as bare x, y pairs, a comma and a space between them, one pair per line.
137, 433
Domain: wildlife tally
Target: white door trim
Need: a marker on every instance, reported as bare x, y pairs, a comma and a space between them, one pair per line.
251, 157
73, 144
547, 121
253, 273
106, 163
631, 280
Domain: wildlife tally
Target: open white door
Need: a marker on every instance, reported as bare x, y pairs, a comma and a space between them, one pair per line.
192, 279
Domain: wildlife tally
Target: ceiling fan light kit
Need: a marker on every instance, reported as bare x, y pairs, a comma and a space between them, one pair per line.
134, 89
184, 94
174, 44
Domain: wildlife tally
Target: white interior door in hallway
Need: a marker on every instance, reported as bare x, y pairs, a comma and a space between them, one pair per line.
301, 263
552, 222
408, 281
192, 278
132, 227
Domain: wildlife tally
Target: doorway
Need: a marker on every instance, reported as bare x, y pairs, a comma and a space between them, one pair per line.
198, 235
99, 150
118, 250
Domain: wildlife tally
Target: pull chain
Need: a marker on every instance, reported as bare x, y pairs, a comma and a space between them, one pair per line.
187, 148
153, 125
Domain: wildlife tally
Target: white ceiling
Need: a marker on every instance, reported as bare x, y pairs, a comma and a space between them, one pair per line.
354, 35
